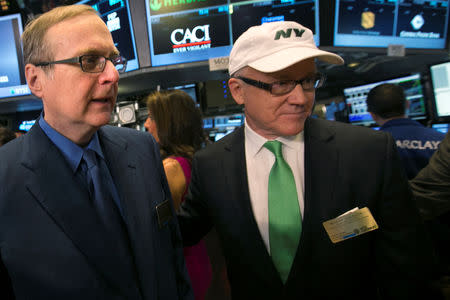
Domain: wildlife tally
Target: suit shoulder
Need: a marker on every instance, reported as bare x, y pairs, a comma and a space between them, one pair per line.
126, 134
224, 143
135, 140
347, 134
123, 131
10, 150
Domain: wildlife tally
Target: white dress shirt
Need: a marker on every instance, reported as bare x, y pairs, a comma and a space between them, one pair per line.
259, 162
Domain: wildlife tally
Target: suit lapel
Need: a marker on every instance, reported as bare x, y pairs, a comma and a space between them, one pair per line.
56, 188
136, 205
242, 211
321, 165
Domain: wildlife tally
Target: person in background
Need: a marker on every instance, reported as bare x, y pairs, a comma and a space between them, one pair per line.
6, 135
416, 143
85, 210
274, 188
177, 126
431, 189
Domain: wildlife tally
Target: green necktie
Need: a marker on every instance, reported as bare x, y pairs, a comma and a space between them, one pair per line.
285, 221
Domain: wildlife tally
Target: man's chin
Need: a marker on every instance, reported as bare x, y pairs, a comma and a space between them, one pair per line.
101, 120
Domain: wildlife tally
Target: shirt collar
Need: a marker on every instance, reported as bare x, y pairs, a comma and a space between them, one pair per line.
71, 151
255, 141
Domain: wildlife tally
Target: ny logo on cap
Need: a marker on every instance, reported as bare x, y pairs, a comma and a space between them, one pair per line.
287, 34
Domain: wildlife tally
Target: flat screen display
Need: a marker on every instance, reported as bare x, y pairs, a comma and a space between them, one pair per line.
379, 23
26, 125
183, 31
440, 80
12, 77
355, 99
217, 96
189, 36
441, 127
116, 15
190, 89
219, 126
333, 109
251, 13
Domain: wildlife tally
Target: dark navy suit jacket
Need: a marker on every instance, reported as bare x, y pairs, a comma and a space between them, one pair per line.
345, 167
51, 243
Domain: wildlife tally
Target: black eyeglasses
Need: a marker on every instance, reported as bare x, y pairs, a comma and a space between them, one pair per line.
91, 63
283, 87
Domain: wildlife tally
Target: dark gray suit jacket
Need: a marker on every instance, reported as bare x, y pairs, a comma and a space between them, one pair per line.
51, 243
345, 167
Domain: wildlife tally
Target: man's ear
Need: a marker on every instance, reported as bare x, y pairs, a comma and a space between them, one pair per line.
235, 86
34, 78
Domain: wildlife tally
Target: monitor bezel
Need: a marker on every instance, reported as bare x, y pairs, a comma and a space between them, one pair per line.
327, 36
372, 123
20, 61
435, 118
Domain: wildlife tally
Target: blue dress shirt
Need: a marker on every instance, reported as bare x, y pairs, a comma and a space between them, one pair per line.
74, 153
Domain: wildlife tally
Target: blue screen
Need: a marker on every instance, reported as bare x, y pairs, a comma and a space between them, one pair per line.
412, 23
441, 127
190, 90
12, 78
26, 125
188, 31
219, 126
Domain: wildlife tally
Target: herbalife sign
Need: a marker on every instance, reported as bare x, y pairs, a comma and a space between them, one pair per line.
168, 6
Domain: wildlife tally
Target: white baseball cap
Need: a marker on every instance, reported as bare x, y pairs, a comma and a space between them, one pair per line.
274, 46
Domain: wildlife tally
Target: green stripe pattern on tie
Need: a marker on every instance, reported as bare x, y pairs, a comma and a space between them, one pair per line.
285, 223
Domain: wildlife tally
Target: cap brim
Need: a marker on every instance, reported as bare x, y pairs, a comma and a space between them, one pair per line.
282, 59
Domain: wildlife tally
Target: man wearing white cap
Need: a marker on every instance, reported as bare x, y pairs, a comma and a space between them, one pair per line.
274, 189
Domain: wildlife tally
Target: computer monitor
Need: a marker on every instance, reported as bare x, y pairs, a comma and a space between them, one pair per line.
440, 81
190, 31
12, 76
217, 98
334, 110
208, 123
220, 126
26, 125
355, 98
412, 23
190, 89
441, 127
116, 15
245, 14
188, 35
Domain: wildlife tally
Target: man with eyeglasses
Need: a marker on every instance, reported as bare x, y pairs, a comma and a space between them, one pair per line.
304, 208
85, 209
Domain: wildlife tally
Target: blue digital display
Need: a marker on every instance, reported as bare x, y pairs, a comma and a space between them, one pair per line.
441, 127
26, 125
411, 23
12, 77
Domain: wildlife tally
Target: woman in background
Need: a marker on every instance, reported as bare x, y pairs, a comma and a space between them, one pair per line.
176, 124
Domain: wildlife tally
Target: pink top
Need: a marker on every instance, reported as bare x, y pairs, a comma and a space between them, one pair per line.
197, 260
